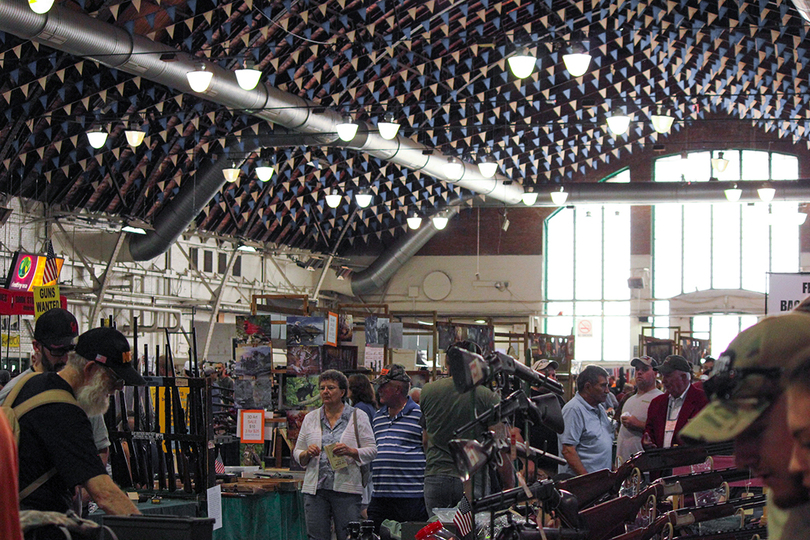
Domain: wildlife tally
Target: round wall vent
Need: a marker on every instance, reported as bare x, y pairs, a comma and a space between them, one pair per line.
437, 286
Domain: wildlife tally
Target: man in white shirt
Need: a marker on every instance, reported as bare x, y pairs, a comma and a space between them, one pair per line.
634, 410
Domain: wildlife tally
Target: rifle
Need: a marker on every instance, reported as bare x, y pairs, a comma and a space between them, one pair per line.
746, 533
676, 519
545, 491
590, 487
605, 517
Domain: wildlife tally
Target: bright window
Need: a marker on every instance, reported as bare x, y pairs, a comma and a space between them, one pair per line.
587, 266
698, 247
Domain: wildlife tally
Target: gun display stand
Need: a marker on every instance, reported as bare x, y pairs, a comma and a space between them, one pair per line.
172, 442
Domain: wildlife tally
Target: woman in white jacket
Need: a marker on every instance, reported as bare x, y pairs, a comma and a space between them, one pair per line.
333, 485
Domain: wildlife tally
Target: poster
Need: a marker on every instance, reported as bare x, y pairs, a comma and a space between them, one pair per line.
345, 327
343, 358
303, 360
253, 361
250, 393
370, 328
395, 335
374, 358
301, 392
786, 291
254, 329
308, 331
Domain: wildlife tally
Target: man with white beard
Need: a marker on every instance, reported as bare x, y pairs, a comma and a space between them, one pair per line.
56, 440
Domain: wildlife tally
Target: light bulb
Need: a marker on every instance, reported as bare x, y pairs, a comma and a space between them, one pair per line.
134, 136
414, 222
488, 166
733, 194
766, 194
719, 163
618, 123
40, 6
559, 197
388, 127
440, 222
248, 78
346, 129
577, 63
264, 172
662, 122
529, 198
363, 199
454, 168
522, 63
199, 80
97, 138
333, 199
231, 174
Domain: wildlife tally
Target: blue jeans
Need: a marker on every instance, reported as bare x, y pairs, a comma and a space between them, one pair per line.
442, 492
324, 507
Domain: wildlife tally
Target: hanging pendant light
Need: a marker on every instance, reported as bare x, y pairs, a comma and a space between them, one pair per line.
529, 196
40, 7
577, 60
388, 127
522, 63
231, 173
440, 221
719, 163
363, 199
559, 197
766, 193
248, 77
662, 121
618, 123
200, 79
414, 222
334, 198
346, 129
97, 138
488, 166
733, 194
454, 168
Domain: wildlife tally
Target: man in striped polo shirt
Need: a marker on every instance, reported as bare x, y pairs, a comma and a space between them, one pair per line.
399, 468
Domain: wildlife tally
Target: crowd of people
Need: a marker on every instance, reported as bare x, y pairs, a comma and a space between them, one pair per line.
379, 450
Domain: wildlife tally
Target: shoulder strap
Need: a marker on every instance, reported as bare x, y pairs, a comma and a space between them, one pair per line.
356, 431
17, 387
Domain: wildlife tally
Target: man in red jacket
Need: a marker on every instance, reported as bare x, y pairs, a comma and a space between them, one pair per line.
669, 412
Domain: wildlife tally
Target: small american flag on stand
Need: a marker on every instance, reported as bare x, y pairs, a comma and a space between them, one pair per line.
51, 271
219, 467
463, 520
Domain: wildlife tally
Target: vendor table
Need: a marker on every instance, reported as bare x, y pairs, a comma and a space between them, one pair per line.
276, 515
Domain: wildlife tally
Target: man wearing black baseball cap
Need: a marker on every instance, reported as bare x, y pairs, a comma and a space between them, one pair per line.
669, 413
57, 438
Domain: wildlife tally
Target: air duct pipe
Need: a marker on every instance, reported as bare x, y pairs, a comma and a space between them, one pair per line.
81, 35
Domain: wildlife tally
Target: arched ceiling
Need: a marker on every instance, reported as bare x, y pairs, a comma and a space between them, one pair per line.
439, 66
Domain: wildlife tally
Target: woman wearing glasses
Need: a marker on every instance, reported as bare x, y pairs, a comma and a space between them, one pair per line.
333, 442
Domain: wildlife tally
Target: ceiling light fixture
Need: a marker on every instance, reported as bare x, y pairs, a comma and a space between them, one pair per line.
388, 126
231, 173
97, 138
733, 194
662, 121
248, 77
363, 199
440, 221
618, 123
334, 198
719, 163
529, 196
488, 166
346, 129
134, 136
245, 248
766, 193
454, 168
264, 172
414, 222
40, 6
200, 79
577, 60
559, 197
522, 63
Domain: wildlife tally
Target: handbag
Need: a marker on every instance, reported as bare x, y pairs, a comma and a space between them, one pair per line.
365, 470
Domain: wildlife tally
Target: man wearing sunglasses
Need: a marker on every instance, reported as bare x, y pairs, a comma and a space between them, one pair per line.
749, 405
57, 438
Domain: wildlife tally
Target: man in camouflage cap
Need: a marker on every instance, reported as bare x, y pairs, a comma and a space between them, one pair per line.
748, 405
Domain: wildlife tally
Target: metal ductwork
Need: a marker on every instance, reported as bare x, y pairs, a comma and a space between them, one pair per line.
81, 35
644, 193
195, 193
385, 266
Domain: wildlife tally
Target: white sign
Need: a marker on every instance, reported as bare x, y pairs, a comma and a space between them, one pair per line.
786, 291
215, 505
585, 328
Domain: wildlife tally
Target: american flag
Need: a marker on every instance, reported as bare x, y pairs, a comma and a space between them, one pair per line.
463, 519
51, 272
219, 467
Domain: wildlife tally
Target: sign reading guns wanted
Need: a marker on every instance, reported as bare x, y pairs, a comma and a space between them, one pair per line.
786, 291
